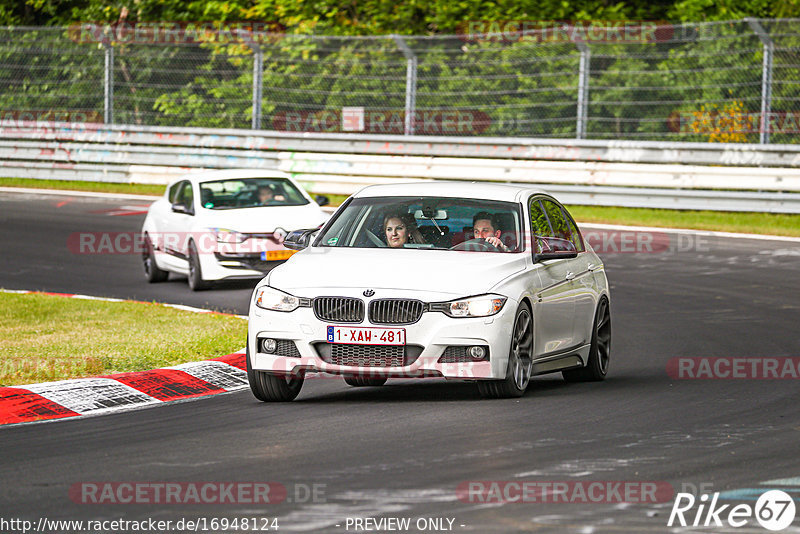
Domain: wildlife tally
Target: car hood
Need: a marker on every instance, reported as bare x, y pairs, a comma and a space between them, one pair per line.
444, 273
266, 219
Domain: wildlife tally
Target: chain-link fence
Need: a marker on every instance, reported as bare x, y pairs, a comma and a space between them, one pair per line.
735, 81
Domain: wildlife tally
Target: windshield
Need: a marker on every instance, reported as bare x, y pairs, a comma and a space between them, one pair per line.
426, 223
250, 193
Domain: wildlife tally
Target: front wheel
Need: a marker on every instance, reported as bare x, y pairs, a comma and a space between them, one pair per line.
599, 350
151, 270
267, 387
520, 361
196, 282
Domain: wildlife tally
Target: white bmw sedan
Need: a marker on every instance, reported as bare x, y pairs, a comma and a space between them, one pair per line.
227, 224
483, 282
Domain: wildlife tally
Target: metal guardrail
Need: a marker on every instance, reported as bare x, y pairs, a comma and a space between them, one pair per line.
728, 154
636, 174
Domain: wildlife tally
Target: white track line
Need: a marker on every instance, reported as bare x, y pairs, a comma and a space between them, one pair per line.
710, 233
71, 193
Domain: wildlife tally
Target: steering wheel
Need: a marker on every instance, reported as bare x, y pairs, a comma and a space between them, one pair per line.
375, 239
476, 245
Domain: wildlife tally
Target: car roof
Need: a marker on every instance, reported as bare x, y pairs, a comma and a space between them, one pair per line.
442, 188
233, 174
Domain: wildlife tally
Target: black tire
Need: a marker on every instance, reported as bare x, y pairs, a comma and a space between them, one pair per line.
251, 378
267, 387
151, 270
364, 381
520, 361
599, 351
196, 282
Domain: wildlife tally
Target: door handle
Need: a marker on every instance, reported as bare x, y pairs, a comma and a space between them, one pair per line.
570, 275
591, 266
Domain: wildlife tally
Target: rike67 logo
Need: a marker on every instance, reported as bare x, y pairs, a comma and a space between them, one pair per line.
774, 510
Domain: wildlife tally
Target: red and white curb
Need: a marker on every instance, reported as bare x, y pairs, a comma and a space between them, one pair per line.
122, 391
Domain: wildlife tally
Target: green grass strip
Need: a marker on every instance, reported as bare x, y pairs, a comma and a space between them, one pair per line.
720, 221
78, 185
45, 338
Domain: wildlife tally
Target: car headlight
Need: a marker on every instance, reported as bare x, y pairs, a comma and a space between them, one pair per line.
224, 235
477, 306
270, 298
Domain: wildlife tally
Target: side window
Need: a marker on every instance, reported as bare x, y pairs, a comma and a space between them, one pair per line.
540, 227
539, 223
186, 196
575, 235
557, 220
553, 228
173, 192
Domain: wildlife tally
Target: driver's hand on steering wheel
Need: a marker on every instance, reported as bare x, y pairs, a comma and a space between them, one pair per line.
495, 241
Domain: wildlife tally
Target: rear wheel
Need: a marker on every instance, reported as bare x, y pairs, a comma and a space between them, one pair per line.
599, 350
520, 362
364, 381
196, 282
151, 270
267, 387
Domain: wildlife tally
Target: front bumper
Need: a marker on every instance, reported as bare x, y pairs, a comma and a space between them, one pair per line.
253, 259
433, 346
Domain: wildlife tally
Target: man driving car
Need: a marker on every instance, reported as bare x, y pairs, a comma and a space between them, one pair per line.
486, 226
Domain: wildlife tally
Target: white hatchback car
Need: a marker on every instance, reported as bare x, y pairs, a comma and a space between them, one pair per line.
485, 282
227, 224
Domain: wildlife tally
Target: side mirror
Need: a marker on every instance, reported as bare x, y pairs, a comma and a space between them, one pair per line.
322, 200
554, 248
299, 239
181, 208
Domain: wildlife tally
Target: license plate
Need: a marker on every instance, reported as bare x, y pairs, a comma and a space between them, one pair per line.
366, 336
275, 255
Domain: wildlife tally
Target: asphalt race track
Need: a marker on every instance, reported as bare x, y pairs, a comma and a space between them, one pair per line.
403, 450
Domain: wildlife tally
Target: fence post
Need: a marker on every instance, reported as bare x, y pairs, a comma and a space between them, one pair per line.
108, 83
411, 83
766, 79
258, 76
583, 88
